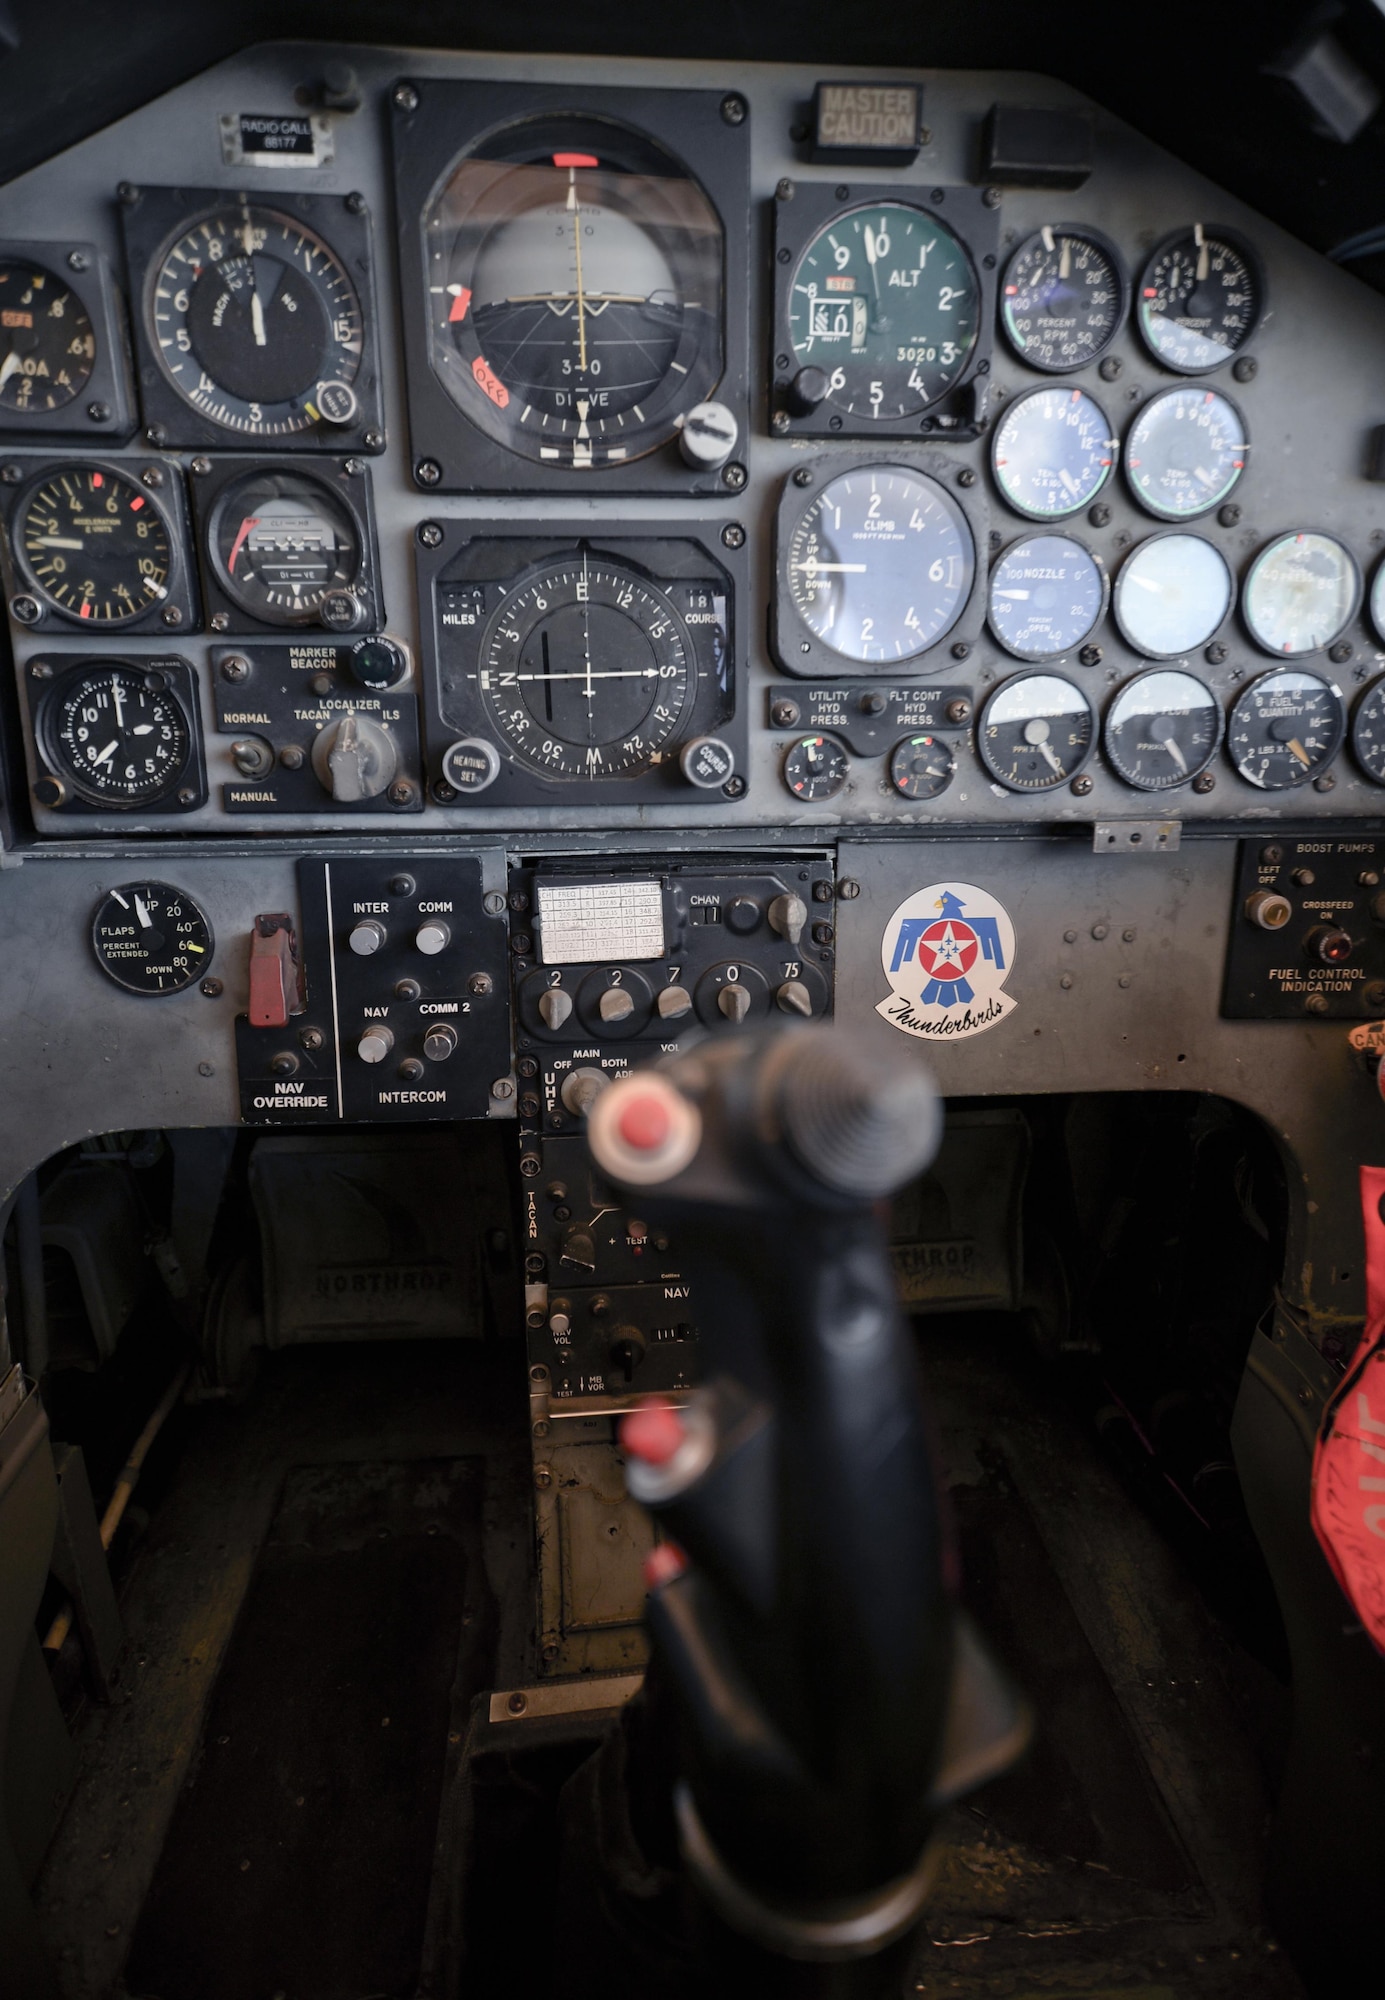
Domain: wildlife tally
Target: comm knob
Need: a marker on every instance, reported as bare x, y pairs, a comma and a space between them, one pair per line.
354, 759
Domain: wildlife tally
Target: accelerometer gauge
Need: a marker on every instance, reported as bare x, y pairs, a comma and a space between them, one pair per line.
1184, 452
586, 670
816, 767
1368, 733
1199, 298
885, 301
574, 275
1300, 593
880, 565
94, 545
1162, 729
1064, 297
47, 346
1036, 732
151, 939
921, 767
1052, 452
1047, 593
118, 734
281, 542
1171, 594
1285, 729
254, 320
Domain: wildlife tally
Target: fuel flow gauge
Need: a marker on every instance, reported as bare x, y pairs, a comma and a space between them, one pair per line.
1162, 729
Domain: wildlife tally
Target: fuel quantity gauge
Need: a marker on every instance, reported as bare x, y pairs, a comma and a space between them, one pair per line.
1162, 729
1064, 297
1285, 729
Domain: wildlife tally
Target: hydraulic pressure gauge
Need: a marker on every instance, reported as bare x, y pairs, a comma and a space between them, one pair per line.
816, 768
1199, 298
1184, 452
921, 767
1300, 593
1064, 297
1046, 594
1052, 452
151, 938
1036, 732
118, 734
93, 545
1171, 594
880, 565
47, 343
885, 301
1285, 729
1162, 729
1368, 733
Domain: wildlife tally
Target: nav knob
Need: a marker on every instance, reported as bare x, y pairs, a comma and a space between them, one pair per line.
366, 937
708, 436
788, 915
707, 762
734, 1002
615, 1005
554, 1007
375, 1044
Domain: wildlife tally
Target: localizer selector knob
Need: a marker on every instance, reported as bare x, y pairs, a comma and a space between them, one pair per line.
440, 1041
615, 1005
708, 436
555, 1006
707, 762
470, 764
734, 1002
376, 1043
581, 1088
354, 759
366, 937
788, 915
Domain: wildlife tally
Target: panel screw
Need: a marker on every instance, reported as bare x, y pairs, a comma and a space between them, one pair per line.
991, 196
292, 757
430, 534
171, 615
100, 413
407, 989
11, 475
734, 476
427, 472
1229, 515
1215, 654
1375, 993
1128, 937
848, 890
156, 434
1100, 515
220, 621
234, 668
1326, 783
961, 650
493, 903
1069, 937
779, 423
402, 885
1110, 368
402, 792
958, 711
405, 97
205, 1069
528, 1068
77, 260
127, 194
40, 670
311, 1039
966, 477
734, 788
1066, 982
784, 714
543, 1477
1340, 653
186, 796
374, 440
803, 476
1098, 932
1204, 782
152, 475
785, 190
1246, 369
212, 988
480, 983
201, 466
842, 193
733, 110
355, 204
1090, 656
1124, 980
443, 792
733, 535
502, 1088
26, 610
1081, 787
517, 1702
784, 256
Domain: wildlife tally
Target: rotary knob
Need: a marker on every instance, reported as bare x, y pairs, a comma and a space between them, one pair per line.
375, 1044
354, 759
793, 997
440, 1041
581, 1088
673, 1002
615, 1005
707, 762
470, 765
432, 937
366, 937
554, 1006
788, 915
734, 1002
708, 436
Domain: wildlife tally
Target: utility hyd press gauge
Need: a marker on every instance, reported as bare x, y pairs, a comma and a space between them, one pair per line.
151, 938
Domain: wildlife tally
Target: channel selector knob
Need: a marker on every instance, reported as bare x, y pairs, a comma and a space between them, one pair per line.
366, 937
440, 1041
615, 1005
355, 759
432, 937
788, 915
673, 1003
581, 1088
554, 1007
794, 998
734, 1002
376, 1043
707, 762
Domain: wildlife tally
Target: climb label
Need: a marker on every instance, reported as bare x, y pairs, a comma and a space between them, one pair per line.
947, 953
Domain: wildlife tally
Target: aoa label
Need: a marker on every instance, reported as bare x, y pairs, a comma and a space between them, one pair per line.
947, 952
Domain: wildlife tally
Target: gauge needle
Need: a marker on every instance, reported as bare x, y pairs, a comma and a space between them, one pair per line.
55, 542
589, 690
1201, 472
576, 208
1046, 751
1176, 754
143, 729
1066, 480
1202, 256
871, 254
9, 366
257, 318
1065, 260
109, 751
119, 708
606, 674
816, 568
1299, 751
1017, 596
142, 912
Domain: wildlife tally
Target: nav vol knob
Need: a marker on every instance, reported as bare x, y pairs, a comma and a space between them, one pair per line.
376, 1043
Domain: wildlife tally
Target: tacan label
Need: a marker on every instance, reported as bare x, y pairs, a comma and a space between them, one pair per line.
947, 952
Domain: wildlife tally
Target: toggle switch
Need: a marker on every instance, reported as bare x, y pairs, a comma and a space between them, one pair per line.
275, 990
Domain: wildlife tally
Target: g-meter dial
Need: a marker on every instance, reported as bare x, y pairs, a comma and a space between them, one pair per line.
94, 545
586, 670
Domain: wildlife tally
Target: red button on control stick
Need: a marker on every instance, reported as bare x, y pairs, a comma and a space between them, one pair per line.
653, 1433
645, 1122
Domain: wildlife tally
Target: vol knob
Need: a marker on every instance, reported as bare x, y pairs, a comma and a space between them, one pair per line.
579, 1250
794, 998
615, 1005
708, 436
375, 1044
440, 1041
366, 937
554, 1006
734, 1002
788, 915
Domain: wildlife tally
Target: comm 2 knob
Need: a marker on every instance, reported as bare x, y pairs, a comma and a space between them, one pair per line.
440, 1041
354, 759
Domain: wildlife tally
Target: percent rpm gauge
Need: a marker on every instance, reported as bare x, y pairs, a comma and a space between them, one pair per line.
574, 277
94, 545
880, 565
256, 323
1285, 729
885, 301
1036, 732
1199, 298
1064, 298
586, 670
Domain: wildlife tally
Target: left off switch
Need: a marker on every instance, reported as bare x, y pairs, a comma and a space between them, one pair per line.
276, 985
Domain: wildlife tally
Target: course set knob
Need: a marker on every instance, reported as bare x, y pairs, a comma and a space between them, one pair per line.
708, 436
707, 762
